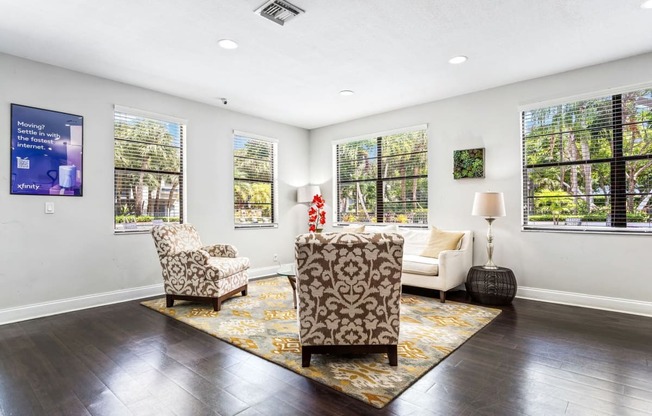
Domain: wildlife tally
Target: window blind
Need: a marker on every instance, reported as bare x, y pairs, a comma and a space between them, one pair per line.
148, 172
254, 181
383, 179
587, 165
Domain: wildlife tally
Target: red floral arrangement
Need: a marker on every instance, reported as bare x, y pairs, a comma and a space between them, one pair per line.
316, 214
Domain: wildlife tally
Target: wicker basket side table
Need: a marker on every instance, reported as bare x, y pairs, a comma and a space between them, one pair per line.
491, 286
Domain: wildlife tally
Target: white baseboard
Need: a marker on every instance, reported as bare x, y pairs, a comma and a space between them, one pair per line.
261, 272
635, 307
39, 310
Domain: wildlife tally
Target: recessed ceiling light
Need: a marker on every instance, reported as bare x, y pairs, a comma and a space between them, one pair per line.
227, 44
646, 4
347, 92
457, 59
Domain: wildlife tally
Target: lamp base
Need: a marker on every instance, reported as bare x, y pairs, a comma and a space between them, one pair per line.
490, 265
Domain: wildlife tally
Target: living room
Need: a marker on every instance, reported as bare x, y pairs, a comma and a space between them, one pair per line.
72, 259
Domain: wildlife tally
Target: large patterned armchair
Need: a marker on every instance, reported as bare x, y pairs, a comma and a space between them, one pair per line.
349, 289
192, 271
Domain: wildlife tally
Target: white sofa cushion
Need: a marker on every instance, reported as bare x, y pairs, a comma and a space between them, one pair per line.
415, 240
363, 228
420, 265
389, 228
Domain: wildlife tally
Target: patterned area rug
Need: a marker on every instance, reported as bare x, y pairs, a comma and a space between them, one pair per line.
265, 323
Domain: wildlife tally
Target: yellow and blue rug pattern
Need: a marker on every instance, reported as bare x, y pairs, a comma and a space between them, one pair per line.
264, 323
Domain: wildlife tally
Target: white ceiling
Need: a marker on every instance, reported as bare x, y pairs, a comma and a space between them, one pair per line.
392, 53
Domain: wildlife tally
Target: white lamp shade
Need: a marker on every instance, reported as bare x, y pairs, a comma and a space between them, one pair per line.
489, 204
306, 193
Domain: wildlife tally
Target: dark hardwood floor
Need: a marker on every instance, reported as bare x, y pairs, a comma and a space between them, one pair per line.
534, 359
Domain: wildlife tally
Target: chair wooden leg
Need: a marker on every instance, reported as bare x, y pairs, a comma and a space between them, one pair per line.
169, 301
305, 358
392, 354
442, 296
215, 302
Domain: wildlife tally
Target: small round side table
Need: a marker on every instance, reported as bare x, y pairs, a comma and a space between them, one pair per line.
290, 271
491, 286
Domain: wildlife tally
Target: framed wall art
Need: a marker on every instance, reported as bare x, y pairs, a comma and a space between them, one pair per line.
46, 152
468, 163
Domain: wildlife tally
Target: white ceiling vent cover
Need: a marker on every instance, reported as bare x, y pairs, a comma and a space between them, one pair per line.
278, 11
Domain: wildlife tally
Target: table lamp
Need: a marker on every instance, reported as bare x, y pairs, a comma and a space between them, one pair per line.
305, 194
489, 205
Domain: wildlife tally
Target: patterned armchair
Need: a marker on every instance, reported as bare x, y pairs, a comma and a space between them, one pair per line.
192, 271
349, 289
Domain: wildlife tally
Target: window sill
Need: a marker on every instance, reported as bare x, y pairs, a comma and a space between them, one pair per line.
254, 226
587, 230
131, 232
383, 224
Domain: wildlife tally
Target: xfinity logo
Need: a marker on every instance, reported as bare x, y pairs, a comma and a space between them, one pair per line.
22, 186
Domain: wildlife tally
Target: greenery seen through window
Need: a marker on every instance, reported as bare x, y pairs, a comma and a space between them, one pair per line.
383, 179
588, 164
147, 172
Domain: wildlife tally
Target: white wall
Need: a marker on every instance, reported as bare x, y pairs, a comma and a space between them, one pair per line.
52, 263
606, 271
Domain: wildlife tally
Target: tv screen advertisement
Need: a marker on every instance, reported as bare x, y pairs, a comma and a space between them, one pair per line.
46, 152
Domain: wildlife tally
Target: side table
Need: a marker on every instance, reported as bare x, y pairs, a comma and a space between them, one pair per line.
289, 271
491, 286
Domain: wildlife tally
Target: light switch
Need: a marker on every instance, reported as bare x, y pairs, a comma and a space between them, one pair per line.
49, 207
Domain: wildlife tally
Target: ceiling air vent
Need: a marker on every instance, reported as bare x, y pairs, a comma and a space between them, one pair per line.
278, 11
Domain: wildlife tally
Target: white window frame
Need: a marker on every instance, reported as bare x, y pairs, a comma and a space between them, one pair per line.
274, 182
563, 227
138, 113
335, 143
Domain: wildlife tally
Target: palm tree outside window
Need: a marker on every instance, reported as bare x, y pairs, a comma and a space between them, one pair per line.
148, 170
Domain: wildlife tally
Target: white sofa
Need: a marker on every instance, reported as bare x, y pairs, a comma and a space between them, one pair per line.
443, 273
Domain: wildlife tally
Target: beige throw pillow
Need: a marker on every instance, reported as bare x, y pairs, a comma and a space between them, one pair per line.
441, 240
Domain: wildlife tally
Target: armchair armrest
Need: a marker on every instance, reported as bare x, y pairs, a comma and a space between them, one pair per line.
191, 257
454, 266
221, 250
198, 264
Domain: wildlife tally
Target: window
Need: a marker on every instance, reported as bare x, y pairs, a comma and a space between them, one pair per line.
587, 165
383, 178
254, 180
148, 170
